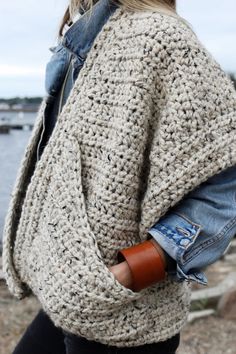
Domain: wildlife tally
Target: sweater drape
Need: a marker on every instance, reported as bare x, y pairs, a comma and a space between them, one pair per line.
150, 117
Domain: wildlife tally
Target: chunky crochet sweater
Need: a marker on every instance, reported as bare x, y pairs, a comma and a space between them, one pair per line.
151, 116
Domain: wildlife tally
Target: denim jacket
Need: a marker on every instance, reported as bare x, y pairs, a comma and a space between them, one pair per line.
198, 230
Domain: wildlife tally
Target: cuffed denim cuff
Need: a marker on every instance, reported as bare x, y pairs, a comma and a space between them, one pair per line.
176, 234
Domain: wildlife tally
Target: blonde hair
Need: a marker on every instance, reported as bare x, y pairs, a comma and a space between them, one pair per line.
163, 6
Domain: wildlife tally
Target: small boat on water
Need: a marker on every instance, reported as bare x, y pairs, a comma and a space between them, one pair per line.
4, 129
4, 125
15, 123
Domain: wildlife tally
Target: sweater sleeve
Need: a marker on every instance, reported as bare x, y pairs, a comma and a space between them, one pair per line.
194, 124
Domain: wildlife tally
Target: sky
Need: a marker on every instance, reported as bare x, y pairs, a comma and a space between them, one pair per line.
28, 28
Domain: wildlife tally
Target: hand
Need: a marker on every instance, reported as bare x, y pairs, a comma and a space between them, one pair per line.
122, 273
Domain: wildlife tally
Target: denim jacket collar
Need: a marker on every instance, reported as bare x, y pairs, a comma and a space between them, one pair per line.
79, 37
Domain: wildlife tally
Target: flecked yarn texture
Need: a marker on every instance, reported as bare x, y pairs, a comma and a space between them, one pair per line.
151, 116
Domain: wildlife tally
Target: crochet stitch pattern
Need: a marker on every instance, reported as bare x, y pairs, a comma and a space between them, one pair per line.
151, 116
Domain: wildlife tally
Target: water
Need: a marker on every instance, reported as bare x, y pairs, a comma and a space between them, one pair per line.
27, 117
12, 147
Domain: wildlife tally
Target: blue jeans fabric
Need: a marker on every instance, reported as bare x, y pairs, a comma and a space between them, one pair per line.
43, 337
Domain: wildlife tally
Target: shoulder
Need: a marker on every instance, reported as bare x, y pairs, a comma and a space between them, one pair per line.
175, 45
154, 24
171, 33
165, 44
158, 31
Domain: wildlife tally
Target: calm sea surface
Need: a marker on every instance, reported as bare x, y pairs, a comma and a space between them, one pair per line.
12, 146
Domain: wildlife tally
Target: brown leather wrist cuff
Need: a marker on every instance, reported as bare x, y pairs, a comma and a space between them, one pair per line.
145, 262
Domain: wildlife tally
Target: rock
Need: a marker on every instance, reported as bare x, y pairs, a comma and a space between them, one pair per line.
1, 275
200, 314
230, 258
217, 291
1, 272
232, 247
227, 305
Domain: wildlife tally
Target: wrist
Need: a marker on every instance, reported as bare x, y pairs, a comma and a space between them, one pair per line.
146, 264
160, 251
170, 263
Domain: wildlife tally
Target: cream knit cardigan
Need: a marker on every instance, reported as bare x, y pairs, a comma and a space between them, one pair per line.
151, 116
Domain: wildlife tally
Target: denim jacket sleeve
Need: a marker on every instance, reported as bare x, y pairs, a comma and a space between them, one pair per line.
198, 230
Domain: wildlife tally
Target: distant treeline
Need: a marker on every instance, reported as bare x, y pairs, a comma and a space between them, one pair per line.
21, 100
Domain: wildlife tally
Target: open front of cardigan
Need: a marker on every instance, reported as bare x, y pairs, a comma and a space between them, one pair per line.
150, 117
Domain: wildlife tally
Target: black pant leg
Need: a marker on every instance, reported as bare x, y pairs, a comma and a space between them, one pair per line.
76, 344
80, 345
168, 346
41, 337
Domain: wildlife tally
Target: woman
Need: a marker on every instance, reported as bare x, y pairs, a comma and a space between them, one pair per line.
135, 138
